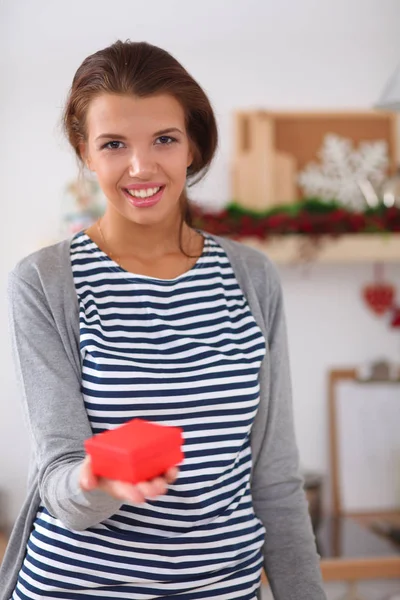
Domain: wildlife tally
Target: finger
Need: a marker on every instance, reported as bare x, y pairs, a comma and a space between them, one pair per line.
124, 491
159, 486
132, 493
171, 475
153, 488
147, 489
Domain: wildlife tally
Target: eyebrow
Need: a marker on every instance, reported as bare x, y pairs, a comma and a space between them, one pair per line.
117, 136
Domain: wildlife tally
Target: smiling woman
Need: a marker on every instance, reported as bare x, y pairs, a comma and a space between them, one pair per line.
143, 316
139, 165
146, 133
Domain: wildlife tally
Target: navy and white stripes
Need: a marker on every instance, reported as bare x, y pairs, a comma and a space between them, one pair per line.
184, 352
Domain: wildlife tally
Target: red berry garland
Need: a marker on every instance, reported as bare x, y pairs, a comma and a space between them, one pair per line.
311, 217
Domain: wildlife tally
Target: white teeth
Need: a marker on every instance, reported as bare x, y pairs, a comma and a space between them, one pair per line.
144, 193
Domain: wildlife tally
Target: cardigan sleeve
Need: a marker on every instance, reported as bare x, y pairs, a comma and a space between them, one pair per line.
53, 408
290, 557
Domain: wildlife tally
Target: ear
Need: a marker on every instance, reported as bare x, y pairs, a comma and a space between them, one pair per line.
190, 157
83, 151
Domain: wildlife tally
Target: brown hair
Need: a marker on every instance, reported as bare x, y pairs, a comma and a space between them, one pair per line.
141, 69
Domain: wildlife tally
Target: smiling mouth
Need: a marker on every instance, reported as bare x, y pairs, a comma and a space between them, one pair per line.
144, 194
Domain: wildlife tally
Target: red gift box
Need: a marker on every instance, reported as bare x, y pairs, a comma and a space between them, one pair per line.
136, 451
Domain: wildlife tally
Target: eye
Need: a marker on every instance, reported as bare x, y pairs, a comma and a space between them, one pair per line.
165, 140
114, 145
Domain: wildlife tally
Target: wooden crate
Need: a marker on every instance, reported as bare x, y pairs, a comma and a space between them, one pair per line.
271, 148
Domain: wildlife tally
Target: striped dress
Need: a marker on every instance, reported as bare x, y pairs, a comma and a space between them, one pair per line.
186, 352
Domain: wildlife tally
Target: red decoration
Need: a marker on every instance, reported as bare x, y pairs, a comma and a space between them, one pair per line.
379, 295
395, 320
136, 451
309, 217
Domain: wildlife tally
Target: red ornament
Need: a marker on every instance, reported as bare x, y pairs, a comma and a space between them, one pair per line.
379, 296
395, 320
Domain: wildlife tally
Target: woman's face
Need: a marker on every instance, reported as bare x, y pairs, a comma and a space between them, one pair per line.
139, 149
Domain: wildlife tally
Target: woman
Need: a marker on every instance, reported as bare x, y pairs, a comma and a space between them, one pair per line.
143, 316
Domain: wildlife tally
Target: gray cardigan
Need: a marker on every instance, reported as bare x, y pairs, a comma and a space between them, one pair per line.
45, 335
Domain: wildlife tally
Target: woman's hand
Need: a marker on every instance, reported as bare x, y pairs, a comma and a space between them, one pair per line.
121, 490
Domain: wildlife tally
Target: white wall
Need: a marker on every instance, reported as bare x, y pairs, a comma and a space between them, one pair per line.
253, 53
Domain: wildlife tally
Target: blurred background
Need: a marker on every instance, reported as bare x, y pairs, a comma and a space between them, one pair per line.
286, 55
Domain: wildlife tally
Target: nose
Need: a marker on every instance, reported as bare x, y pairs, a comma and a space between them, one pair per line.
142, 164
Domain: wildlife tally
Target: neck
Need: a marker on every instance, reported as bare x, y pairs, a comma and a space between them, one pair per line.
126, 238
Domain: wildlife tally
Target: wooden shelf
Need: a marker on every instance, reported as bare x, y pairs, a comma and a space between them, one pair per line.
346, 249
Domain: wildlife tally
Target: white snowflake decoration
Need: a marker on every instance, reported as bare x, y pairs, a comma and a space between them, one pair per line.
346, 174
